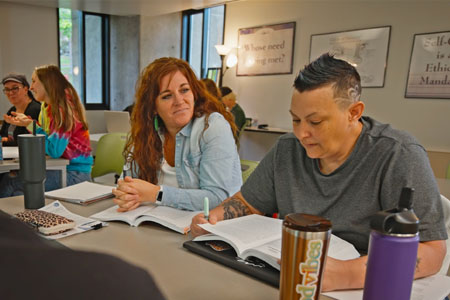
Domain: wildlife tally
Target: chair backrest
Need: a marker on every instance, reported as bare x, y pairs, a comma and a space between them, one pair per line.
108, 156
247, 167
446, 209
448, 171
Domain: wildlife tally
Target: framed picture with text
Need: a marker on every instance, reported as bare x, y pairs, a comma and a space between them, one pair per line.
366, 49
429, 66
266, 50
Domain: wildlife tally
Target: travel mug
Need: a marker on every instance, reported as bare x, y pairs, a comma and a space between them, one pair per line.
32, 169
393, 245
304, 247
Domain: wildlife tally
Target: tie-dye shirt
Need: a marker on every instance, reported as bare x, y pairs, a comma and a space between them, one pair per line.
73, 145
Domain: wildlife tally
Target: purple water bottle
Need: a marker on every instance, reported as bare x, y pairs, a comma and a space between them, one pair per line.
392, 252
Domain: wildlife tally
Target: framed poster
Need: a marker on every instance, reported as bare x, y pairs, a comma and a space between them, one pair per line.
429, 66
213, 74
366, 49
266, 50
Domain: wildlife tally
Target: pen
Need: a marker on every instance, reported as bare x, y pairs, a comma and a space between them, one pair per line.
206, 208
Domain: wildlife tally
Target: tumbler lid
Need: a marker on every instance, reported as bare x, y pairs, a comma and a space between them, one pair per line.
400, 220
305, 222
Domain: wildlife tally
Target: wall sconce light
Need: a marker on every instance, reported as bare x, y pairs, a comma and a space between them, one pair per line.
231, 61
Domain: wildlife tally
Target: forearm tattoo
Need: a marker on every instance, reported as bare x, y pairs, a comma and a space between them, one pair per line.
234, 208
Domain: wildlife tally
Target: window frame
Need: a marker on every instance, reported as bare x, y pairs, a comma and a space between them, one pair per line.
185, 35
105, 63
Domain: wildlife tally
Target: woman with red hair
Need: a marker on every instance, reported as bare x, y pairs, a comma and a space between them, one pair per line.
182, 147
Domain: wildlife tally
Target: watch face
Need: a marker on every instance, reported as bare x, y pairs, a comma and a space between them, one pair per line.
159, 198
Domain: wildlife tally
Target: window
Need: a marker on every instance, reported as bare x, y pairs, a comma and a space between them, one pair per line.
202, 30
84, 55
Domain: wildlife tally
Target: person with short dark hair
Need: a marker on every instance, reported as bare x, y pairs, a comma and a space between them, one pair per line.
343, 166
229, 99
17, 89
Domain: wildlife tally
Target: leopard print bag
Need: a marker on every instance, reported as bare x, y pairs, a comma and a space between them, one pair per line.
45, 222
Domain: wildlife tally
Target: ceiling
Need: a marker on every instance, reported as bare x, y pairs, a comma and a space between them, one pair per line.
125, 7
159, 7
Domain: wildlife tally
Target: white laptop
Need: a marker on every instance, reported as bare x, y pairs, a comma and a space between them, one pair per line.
117, 121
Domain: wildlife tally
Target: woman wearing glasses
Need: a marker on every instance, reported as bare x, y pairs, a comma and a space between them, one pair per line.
17, 89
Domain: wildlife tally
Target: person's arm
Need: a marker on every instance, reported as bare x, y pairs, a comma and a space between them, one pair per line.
231, 208
17, 119
218, 168
350, 274
131, 192
55, 143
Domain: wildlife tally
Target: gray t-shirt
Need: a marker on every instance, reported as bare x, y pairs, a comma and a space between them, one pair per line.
383, 161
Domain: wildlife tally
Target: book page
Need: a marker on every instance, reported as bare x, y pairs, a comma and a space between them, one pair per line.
181, 219
248, 231
81, 192
259, 236
269, 252
341, 249
111, 214
435, 287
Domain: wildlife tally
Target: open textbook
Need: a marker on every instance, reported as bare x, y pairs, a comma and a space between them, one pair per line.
260, 237
82, 193
175, 219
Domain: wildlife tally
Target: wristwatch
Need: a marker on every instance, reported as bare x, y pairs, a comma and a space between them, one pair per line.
160, 194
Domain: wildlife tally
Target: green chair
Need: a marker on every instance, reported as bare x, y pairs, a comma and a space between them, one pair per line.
448, 172
108, 156
247, 167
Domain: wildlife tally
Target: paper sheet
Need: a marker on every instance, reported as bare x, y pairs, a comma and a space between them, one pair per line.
435, 287
82, 224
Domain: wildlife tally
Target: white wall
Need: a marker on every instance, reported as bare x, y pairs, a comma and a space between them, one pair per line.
160, 36
28, 38
268, 97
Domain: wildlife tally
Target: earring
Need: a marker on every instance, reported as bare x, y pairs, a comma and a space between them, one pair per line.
155, 123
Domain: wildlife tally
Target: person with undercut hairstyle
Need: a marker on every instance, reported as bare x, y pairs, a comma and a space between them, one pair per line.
343, 166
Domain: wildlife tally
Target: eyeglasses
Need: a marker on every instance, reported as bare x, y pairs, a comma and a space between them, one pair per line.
12, 90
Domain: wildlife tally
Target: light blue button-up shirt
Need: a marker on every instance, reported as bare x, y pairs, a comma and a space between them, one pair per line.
207, 165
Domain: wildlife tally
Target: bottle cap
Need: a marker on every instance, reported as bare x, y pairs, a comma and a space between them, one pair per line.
401, 220
305, 222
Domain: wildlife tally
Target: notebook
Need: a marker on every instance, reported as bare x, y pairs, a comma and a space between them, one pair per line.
10, 152
82, 193
117, 121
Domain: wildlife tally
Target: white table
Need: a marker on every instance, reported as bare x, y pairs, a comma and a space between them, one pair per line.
51, 164
95, 137
179, 273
